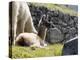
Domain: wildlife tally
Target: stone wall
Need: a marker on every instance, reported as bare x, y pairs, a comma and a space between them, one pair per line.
66, 26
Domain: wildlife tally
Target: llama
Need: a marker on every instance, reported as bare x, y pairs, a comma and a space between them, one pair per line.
32, 39
21, 19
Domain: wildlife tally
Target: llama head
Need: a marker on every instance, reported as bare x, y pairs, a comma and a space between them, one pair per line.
45, 22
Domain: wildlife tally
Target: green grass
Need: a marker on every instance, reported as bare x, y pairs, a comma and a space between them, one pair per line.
59, 7
27, 52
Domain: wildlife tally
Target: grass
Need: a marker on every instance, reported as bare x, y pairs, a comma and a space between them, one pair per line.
27, 52
51, 50
59, 7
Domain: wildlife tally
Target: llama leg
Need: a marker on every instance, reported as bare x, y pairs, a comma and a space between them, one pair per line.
15, 8
20, 27
29, 21
36, 45
29, 27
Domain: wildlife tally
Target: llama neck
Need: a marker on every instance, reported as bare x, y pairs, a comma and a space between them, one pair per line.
42, 32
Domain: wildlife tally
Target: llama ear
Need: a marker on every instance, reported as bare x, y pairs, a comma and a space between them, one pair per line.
40, 20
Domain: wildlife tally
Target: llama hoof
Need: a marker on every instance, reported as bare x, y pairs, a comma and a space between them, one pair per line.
33, 48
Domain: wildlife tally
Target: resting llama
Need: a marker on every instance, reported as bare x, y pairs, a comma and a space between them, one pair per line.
32, 39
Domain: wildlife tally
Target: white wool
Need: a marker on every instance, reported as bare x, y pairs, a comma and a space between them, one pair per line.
21, 13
